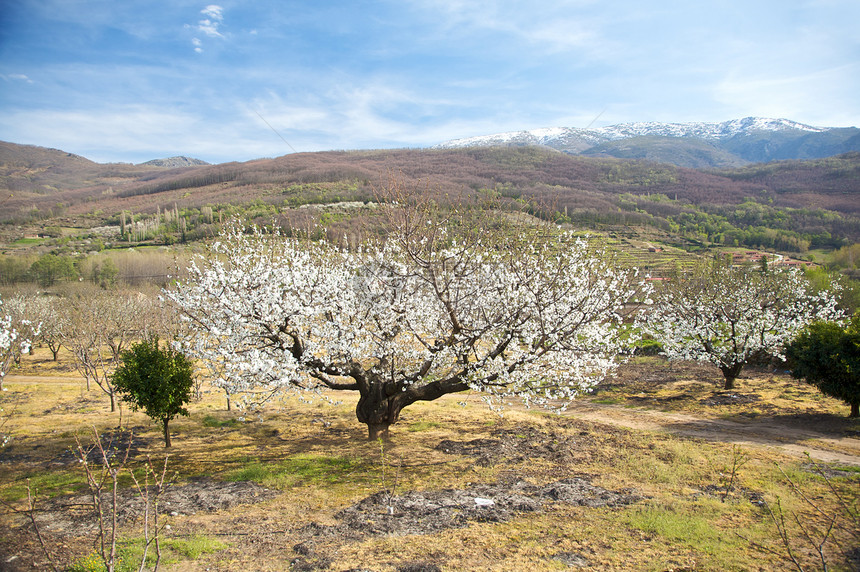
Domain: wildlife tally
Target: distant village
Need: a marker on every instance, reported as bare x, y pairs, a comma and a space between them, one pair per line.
756, 257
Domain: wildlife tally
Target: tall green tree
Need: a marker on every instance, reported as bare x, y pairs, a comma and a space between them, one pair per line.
827, 355
157, 379
49, 268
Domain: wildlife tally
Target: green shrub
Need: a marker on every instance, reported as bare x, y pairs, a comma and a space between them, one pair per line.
157, 380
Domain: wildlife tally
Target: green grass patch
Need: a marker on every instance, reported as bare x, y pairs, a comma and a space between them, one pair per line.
44, 485
297, 470
667, 462
256, 472
608, 400
690, 525
129, 553
194, 546
423, 426
212, 421
846, 468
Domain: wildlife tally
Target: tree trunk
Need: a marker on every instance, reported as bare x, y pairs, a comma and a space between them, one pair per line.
112, 402
165, 422
378, 431
228, 403
381, 402
855, 409
731, 373
378, 409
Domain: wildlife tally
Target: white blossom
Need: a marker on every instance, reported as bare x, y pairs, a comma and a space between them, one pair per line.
539, 317
728, 315
16, 335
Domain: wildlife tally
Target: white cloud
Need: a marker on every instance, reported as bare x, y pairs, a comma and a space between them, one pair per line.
794, 96
366, 113
550, 27
209, 28
210, 25
137, 133
17, 77
213, 11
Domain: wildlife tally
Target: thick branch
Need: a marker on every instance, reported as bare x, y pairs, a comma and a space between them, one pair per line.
334, 385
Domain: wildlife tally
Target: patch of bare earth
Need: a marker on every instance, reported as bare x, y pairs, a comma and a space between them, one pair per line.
391, 514
425, 512
69, 525
73, 515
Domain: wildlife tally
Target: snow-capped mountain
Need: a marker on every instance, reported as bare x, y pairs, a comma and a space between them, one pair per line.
730, 143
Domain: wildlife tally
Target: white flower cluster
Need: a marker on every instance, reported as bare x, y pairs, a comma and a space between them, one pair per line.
537, 319
15, 339
728, 315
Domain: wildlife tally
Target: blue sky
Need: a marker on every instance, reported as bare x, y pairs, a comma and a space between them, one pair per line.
133, 80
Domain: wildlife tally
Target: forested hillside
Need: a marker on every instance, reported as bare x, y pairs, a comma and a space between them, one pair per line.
790, 206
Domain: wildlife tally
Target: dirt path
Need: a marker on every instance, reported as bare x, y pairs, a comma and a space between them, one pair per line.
790, 439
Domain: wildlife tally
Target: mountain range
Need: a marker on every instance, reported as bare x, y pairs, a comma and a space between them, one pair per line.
732, 143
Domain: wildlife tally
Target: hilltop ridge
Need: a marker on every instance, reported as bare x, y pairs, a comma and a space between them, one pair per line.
173, 162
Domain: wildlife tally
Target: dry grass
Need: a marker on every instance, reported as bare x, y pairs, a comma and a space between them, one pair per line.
696, 388
318, 459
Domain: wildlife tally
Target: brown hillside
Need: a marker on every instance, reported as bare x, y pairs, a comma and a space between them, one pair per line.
49, 183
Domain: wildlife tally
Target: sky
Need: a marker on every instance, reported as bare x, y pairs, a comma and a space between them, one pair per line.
134, 80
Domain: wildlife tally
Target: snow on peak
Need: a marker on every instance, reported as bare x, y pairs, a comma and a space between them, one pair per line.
599, 135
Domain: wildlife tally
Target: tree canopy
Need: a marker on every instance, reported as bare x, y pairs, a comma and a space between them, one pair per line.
439, 307
827, 355
727, 315
16, 335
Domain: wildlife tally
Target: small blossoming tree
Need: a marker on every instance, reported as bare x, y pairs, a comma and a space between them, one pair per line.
16, 334
428, 312
728, 315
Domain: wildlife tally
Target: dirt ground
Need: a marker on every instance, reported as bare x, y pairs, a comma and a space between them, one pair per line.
72, 515
652, 397
67, 520
798, 436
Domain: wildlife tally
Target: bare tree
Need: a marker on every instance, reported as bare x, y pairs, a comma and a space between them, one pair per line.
102, 324
103, 466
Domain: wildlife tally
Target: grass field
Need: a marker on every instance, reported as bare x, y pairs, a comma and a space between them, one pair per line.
298, 486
